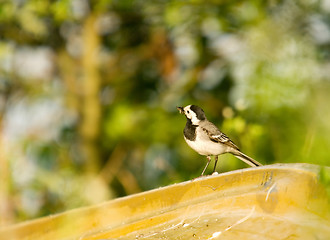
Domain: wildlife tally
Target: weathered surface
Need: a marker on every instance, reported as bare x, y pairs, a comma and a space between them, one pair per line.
270, 202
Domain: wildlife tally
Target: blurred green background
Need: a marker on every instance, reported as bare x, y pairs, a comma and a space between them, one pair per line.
89, 89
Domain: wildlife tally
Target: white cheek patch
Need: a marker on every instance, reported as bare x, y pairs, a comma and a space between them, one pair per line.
194, 119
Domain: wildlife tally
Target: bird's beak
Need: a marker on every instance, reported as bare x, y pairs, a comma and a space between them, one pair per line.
180, 109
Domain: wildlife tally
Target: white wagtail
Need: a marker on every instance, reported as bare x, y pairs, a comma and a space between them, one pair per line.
206, 139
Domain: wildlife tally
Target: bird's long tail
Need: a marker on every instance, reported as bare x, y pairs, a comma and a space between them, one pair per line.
247, 159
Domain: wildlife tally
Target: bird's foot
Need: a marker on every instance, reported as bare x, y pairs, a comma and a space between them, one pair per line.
199, 177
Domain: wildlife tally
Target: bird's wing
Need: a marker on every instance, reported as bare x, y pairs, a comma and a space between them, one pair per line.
216, 135
222, 138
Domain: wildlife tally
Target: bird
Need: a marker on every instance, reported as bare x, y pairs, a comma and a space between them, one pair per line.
206, 139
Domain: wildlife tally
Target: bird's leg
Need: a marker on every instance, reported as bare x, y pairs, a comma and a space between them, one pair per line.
207, 164
215, 163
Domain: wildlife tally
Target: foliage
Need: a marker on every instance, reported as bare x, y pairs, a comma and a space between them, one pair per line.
89, 91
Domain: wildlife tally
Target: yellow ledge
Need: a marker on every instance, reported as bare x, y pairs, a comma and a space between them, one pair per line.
282, 201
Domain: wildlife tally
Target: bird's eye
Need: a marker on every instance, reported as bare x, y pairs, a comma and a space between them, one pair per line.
188, 111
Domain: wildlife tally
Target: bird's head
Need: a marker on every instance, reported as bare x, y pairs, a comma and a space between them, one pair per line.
193, 113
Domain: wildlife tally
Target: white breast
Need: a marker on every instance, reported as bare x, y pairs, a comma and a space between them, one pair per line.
204, 146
